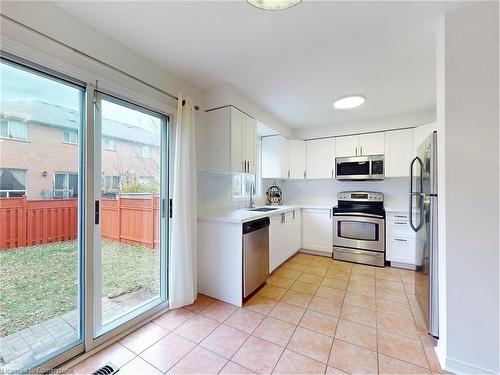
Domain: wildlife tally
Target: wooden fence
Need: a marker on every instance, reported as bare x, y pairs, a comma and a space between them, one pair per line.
26, 222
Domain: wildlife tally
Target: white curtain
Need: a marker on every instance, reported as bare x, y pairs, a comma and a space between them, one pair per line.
183, 247
20, 176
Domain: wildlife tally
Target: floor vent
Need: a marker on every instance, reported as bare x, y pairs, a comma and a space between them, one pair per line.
108, 369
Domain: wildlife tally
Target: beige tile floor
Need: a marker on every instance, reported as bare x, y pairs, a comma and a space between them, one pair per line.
315, 316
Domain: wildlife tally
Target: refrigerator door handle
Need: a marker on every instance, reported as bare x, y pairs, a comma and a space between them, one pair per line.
416, 194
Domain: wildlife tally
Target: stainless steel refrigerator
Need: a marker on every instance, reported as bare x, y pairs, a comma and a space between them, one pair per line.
423, 220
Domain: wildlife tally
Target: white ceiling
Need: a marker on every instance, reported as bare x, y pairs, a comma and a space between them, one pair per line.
293, 63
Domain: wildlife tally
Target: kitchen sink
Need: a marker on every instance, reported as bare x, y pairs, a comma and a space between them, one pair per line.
264, 209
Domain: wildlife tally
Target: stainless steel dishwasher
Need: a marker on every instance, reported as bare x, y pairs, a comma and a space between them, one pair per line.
255, 254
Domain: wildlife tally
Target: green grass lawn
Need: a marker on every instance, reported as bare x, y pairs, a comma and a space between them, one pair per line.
40, 282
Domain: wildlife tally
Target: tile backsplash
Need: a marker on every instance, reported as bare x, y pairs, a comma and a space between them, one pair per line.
214, 191
324, 192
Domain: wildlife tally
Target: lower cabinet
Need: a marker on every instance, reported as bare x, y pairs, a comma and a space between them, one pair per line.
401, 244
317, 229
285, 237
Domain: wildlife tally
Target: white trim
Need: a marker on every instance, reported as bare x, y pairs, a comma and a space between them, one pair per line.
111, 341
458, 367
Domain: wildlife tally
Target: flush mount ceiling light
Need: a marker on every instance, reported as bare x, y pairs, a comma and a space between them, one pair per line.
273, 4
348, 102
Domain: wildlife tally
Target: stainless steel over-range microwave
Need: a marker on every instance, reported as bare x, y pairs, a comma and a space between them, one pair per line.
370, 167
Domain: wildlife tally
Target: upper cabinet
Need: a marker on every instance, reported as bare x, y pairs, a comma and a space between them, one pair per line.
359, 145
371, 144
297, 159
420, 133
398, 152
275, 157
346, 146
320, 158
230, 142
283, 158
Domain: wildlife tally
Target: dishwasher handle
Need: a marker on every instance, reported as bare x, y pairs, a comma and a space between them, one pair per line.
254, 225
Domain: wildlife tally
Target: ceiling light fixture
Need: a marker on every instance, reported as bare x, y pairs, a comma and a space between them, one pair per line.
273, 4
348, 102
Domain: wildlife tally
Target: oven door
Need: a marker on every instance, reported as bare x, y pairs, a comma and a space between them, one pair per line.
359, 231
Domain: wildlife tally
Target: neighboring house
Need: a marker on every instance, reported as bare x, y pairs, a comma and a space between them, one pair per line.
39, 154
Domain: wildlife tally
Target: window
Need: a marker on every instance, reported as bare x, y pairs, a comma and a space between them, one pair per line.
109, 143
241, 185
144, 180
13, 129
12, 182
112, 182
141, 150
71, 137
65, 185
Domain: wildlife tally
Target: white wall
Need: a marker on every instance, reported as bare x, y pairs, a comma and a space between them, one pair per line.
471, 161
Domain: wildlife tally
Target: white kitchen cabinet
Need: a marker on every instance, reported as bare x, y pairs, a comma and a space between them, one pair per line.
320, 158
297, 158
346, 146
401, 243
275, 246
249, 142
275, 155
398, 152
360, 145
230, 142
420, 133
285, 237
293, 228
317, 230
371, 144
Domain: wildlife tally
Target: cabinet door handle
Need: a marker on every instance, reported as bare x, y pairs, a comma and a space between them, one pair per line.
330, 211
361, 151
293, 215
332, 173
244, 166
400, 240
304, 175
401, 222
289, 173
401, 216
248, 166
356, 150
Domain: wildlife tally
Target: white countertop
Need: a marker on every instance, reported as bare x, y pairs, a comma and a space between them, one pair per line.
242, 215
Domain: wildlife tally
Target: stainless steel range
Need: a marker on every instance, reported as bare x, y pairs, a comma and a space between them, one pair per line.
359, 228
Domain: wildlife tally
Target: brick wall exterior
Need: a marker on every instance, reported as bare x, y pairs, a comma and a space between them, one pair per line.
45, 150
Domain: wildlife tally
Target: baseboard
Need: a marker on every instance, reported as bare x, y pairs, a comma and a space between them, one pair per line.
458, 367
404, 265
316, 252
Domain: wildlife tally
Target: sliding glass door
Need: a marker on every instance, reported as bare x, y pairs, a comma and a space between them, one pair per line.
71, 280
131, 179
41, 250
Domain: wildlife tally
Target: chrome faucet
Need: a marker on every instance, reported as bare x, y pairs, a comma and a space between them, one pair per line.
250, 194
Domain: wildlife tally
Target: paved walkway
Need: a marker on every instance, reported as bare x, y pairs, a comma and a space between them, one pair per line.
32, 344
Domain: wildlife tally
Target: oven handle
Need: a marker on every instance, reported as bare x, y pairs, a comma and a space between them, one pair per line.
379, 255
358, 214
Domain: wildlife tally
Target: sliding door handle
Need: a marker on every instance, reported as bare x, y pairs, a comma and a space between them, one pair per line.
96, 212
